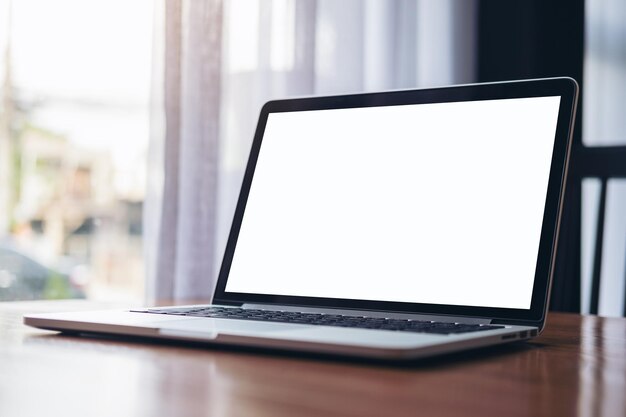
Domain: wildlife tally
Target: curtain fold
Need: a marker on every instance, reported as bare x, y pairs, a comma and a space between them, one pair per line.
198, 158
186, 228
222, 61
166, 236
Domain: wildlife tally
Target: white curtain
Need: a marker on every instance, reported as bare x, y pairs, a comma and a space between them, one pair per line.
181, 200
217, 62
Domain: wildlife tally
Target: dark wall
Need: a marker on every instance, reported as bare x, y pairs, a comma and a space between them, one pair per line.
533, 39
530, 38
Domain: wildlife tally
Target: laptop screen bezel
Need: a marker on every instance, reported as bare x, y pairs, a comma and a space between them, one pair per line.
564, 87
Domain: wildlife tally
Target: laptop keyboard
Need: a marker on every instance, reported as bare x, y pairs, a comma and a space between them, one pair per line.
319, 319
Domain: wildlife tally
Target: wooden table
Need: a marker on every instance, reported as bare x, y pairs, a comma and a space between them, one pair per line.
576, 368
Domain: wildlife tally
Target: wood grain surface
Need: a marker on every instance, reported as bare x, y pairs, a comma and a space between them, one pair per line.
577, 367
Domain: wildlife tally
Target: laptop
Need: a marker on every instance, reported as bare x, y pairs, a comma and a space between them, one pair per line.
391, 225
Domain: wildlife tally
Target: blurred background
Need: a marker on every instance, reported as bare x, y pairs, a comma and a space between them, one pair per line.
74, 131
125, 126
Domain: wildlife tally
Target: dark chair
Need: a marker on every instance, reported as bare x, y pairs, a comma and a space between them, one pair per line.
604, 163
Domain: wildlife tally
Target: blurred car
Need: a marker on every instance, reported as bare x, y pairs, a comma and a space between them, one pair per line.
23, 278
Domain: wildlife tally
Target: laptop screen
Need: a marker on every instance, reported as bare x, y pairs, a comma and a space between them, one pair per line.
424, 203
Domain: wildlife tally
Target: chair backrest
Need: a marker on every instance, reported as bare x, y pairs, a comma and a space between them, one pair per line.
606, 252
605, 164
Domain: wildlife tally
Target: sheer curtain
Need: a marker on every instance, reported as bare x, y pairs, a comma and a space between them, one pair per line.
181, 201
217, 62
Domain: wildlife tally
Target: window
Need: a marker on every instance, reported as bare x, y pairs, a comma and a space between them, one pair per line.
74, 127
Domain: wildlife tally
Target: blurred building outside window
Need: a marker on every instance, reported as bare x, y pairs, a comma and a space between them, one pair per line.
74, 126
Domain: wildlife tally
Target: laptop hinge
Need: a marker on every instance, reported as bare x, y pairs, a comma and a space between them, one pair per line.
368, 313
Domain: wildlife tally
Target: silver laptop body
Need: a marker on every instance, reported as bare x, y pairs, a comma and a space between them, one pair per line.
392, 225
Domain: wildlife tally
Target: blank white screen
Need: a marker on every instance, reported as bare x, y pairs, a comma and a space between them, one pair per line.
432, 203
